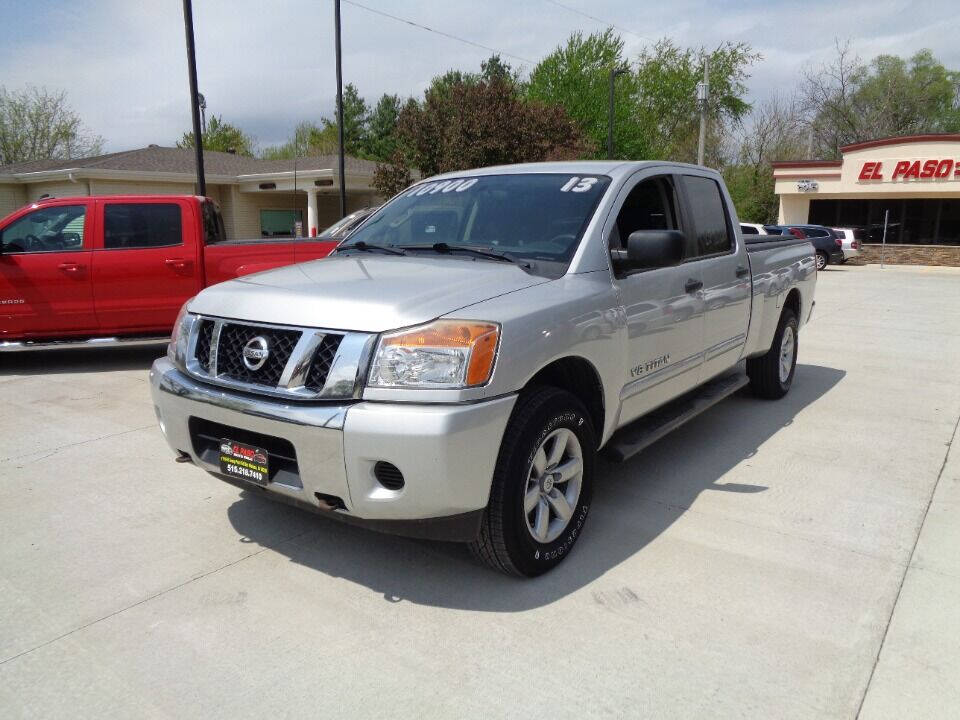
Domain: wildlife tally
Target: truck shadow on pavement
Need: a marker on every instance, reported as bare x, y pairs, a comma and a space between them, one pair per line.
633, 503
80, 360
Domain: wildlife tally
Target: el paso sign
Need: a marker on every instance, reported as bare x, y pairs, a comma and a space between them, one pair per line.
911, 170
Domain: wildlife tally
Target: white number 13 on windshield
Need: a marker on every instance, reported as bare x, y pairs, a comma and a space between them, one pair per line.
576, 184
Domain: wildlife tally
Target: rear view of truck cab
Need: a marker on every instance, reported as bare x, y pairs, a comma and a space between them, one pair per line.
453, 370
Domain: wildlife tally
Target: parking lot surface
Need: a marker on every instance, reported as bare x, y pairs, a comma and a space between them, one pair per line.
791, 559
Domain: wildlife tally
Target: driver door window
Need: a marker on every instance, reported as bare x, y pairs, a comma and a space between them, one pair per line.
649, 206
58, 228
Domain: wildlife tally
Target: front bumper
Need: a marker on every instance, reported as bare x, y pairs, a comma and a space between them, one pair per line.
446, 453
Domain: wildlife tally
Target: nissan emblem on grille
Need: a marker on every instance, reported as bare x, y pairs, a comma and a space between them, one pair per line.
256, 352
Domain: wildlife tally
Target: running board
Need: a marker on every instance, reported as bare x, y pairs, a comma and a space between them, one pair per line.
22, 345
645, 431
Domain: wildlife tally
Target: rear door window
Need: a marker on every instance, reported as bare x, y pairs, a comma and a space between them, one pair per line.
141, 225
709, 215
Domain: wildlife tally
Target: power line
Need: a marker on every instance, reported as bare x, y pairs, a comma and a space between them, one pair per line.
596, 19
439, 32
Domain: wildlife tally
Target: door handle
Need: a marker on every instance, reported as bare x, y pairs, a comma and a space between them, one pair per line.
178, 263
691, 286
69, 267
742, 271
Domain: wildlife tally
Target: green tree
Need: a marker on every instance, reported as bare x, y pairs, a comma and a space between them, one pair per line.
576, 76
381, 135
477, 123
37, 124
221, 136
666, 93
775, 131
309, 139
355, 117
850, 101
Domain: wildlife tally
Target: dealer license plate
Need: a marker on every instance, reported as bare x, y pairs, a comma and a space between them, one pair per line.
246, 462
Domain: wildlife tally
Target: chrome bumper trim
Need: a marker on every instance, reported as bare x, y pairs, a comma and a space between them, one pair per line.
102, 342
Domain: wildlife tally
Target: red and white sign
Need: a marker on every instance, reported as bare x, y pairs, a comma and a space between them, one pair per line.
912, 170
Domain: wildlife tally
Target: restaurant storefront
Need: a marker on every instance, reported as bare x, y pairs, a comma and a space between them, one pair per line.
907, 186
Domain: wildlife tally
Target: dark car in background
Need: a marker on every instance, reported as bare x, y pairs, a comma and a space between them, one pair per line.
828, 243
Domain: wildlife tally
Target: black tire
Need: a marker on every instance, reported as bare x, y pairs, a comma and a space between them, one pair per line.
505, 543
822, 260
764, 371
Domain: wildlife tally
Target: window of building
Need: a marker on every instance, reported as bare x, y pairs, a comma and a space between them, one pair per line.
51, 229
926, 221
141, 225
280, 223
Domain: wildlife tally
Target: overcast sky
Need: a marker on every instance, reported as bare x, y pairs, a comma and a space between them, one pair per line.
267, 64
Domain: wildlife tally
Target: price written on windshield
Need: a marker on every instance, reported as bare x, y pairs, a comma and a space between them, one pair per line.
578, 184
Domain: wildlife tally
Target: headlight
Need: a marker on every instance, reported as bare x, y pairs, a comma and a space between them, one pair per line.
442, 354
179, 337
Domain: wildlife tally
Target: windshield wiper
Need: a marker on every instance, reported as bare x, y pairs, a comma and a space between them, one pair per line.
361, 245
446, 249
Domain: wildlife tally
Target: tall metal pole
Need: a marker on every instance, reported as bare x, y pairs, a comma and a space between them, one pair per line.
613, 75
883, 246
194, 99
343, 180
704, 96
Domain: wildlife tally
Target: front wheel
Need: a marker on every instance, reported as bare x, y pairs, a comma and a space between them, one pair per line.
771, 374
542, 485
822, 260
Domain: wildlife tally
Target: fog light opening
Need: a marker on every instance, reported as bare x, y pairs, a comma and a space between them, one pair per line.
388, 475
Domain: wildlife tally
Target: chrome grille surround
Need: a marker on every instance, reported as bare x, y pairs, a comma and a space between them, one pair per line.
313, 363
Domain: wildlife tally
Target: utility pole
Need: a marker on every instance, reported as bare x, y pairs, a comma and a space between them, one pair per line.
703, 95
613, 75
194, 95
343, 181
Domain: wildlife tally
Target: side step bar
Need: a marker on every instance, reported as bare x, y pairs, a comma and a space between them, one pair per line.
20, 346
645, 431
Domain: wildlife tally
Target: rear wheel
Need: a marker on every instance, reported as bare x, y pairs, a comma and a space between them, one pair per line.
541, 487
771, 375
822, 260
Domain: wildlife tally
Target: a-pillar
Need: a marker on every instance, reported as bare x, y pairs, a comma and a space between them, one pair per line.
311, 212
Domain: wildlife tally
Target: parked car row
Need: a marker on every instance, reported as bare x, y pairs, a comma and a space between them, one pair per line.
832, 245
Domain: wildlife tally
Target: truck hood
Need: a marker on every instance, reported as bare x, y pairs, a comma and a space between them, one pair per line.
365, 293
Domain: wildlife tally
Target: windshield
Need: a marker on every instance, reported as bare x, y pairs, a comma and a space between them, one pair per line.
528, 216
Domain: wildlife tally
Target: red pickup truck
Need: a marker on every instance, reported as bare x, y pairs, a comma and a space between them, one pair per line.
108, 269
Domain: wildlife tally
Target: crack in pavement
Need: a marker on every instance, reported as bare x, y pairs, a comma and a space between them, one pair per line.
50, 452
910, 563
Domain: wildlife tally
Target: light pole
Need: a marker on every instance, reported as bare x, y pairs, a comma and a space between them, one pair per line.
703, 96
343, 181
194, 101
613, 76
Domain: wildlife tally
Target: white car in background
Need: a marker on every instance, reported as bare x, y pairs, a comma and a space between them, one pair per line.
753, 229
853, 239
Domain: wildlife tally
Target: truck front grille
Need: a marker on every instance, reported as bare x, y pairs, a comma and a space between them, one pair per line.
233, 340
300, 363
204, 336
320, 367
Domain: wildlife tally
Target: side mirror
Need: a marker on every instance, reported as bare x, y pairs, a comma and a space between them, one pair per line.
648, 249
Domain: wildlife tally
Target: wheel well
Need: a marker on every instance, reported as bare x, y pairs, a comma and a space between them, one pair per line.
578, 377
793, 302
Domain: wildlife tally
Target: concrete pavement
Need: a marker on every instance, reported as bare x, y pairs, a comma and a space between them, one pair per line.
790, 559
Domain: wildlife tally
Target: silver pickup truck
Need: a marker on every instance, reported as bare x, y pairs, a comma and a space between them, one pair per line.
452, 371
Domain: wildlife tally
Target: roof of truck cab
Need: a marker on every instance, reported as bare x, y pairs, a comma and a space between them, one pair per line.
613, 168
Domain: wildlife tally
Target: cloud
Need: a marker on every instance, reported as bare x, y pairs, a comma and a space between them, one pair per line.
267, 66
